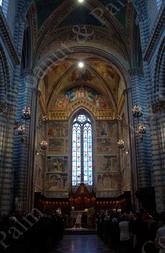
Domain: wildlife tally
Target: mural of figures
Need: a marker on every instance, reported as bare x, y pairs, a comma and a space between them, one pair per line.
57, 145
57, 174
106, 129
106, 167
104, 181
58, 137
106, 132
57, 164
56, 182
104, 146
78, 75
71, 96
57, 129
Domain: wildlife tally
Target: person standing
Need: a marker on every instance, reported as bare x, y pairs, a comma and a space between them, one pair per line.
160, 234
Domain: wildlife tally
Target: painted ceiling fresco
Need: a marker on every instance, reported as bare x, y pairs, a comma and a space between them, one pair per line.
46, 7
79, 96
97, 74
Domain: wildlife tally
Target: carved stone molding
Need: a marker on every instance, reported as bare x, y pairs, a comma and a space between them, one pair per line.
7, 38
155, 36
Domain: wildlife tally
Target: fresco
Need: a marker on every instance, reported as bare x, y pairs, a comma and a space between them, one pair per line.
106, 133
58, 137
79, 75
106, 128
57, 173
106, 167
57, 145
56, 182
57, 164
75, 94
57, 129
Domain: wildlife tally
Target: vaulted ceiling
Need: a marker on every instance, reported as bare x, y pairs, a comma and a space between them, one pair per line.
100, 33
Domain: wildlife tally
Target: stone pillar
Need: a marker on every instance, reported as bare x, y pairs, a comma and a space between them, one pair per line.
131, 148
6, 169
142, 145
143, 22
24, 144
7, 118
158, 138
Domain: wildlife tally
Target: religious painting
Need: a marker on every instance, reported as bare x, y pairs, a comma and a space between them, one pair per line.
57, 164
104, 181
104, 146
105, 166
106, 129
80, 75
61, 103
67, 100
57, 129
56, 145
106, 163
56, 182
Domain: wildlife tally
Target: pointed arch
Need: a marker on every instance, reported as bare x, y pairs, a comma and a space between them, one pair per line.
4, 77
82, 148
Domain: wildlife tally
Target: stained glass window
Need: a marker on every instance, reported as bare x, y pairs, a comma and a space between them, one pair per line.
82, 164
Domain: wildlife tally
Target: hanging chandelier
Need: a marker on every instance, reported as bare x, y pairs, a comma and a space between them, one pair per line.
21, 129
137, 111
44, 145
44, 118
120, 143
141, 129
26, 112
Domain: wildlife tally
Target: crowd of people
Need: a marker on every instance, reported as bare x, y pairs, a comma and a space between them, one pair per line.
132, 232
124, 232
30, 233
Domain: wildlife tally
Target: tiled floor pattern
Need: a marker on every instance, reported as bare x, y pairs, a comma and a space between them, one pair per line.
81, 244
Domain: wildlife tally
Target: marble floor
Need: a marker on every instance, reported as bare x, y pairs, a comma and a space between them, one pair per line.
81, 244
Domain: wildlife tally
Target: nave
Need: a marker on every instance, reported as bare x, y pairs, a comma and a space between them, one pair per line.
81, 244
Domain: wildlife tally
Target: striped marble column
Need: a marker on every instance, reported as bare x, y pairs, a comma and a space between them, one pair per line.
158, 138
143, 147
24, 145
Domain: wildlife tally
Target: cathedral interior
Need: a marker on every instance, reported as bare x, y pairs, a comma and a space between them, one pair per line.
82, 106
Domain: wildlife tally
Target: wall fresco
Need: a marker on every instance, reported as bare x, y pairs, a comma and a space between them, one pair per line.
107, 173
56, 182
57, 164
57, 129
58, 137
57, 173
57, 145
106, 133
61, 107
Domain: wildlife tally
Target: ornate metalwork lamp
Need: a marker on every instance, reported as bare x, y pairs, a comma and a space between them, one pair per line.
44, 145
141, 129
26, 113
137, 111
21, 129
121, 143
